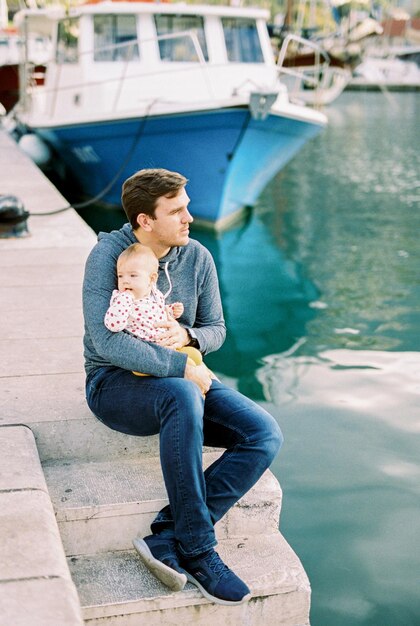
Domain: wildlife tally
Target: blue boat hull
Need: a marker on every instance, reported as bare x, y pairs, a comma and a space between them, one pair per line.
228, 156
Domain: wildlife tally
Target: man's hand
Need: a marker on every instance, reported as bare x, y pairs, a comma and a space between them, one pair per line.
175, 336
200, 375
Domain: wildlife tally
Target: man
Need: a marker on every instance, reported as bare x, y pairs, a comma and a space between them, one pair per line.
183, 403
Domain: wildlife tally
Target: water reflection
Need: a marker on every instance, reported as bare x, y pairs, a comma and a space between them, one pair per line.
349, 214
265, 297
371, 383
350, 475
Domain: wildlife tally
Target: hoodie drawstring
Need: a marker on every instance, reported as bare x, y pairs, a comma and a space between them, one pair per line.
165, 269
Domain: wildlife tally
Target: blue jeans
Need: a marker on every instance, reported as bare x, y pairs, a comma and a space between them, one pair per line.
175, 408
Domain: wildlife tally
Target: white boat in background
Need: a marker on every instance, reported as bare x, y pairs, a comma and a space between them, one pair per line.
13, 49
185, 87
311, 75
319, 47
394, 70
392, 62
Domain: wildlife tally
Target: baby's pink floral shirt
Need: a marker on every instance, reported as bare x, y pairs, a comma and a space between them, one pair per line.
137, 316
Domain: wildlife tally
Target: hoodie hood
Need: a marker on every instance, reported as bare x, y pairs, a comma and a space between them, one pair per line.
125, 236
171, 257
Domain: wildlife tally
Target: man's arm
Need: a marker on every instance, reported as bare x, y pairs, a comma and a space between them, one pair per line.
209, 329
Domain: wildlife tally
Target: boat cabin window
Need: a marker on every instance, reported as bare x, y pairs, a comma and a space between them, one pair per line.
180, 48
115, 38
242, 40
68, 41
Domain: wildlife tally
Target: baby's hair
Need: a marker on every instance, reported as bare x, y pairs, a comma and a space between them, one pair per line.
140, 250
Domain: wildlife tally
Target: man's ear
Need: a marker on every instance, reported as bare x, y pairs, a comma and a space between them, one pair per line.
144, 221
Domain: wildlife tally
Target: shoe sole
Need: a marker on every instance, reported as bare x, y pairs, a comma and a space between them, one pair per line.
168, 576
214, 599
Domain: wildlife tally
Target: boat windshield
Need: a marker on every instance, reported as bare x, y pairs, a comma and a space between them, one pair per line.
68, 41
180, 49
115, 38
242, 40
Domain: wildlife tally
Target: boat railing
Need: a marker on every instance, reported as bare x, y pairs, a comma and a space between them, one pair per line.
126, 52
306, 75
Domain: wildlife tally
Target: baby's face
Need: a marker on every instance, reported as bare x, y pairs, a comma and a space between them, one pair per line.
134, 277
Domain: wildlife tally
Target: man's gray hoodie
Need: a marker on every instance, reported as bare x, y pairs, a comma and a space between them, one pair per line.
194, 283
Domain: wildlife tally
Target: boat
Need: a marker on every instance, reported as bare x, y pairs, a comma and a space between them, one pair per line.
392, 62
318, 57
393, 72
312, 76
191, 88
12, 49
9, 66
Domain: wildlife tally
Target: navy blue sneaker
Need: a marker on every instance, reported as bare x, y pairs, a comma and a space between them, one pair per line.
215, 580
159, 554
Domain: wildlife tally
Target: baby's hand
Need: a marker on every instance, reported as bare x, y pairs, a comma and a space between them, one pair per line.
176, 309
125, 296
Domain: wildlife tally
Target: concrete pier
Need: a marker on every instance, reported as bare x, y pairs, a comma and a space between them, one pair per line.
40, 376
73, 493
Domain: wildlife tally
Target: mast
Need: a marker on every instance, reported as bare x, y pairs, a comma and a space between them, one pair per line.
288, 18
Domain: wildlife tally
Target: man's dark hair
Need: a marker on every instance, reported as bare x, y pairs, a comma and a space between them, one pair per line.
141, 191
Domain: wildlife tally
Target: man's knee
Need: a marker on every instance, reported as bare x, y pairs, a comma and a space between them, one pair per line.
273, 438
277, 438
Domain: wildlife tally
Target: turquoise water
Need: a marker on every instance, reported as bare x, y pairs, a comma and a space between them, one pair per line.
321, 290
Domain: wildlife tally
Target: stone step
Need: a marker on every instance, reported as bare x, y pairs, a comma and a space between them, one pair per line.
35, 583
115, 589
88, 438
101, 506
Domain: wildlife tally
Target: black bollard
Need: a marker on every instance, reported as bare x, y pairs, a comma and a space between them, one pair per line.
13, 217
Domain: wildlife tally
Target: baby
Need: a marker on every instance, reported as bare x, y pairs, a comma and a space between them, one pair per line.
138, 305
